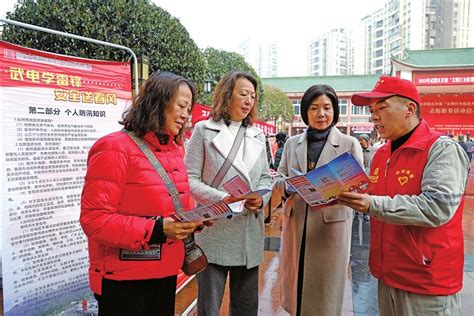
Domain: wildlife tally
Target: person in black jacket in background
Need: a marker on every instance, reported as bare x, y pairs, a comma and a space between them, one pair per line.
281, 138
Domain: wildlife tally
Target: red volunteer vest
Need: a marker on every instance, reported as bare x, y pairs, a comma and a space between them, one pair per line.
423, 260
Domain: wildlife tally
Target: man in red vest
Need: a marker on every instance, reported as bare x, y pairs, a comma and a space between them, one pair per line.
416, 200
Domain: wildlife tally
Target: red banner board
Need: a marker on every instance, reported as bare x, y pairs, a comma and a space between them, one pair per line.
443, 78
74, 78
449, 113
202, 112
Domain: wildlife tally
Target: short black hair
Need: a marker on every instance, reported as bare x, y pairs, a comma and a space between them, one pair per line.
281, 135
314, 92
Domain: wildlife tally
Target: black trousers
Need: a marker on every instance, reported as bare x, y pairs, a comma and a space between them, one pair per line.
137, 297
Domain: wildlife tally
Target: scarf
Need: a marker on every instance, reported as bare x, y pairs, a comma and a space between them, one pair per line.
316, 140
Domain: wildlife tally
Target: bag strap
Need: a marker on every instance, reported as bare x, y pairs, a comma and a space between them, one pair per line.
230, 157
159, 168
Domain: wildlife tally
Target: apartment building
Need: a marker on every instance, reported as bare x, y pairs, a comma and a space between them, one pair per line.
261, 55
401, 25
329, 54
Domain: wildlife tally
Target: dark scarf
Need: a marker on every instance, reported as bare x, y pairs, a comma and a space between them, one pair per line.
316, 140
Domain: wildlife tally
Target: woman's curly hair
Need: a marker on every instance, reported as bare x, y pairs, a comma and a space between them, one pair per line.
147, 112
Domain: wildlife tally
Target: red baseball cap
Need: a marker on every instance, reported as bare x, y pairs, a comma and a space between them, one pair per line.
387, 87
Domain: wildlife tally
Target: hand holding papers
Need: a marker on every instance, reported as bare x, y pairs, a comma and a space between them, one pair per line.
209, 212
237, 188
320, 186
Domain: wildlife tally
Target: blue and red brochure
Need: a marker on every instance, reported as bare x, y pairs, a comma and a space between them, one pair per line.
320, 186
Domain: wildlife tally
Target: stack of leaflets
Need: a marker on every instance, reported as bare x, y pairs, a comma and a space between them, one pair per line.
237, 188
209, 212
320, 186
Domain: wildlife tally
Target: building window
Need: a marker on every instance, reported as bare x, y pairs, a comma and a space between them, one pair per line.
296, 107
360, 110
343, 106
378, 53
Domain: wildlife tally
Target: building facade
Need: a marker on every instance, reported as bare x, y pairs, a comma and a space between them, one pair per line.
261, 55
353, 120
449, 24
329, 54
410, 25
368, 44
444, 79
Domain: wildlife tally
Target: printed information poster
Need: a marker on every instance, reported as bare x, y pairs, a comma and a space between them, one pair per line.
53, 108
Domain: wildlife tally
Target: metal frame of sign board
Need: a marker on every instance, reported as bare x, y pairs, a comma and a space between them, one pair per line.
82, 38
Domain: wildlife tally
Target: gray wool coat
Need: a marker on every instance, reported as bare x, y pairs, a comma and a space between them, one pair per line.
328, 233
238, 241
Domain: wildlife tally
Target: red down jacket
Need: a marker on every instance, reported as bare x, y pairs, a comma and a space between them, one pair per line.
121, 190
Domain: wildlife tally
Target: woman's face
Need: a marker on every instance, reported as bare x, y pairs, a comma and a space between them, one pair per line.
178, 110
242, 100
320, 113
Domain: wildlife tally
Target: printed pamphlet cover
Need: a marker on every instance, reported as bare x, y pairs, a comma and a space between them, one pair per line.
320, 186
209, 212
238, 188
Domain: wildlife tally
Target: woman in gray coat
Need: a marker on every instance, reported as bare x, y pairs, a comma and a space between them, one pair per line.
234, 246
315, 243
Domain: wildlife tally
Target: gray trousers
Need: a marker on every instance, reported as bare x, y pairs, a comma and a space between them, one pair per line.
243, 285
396, 302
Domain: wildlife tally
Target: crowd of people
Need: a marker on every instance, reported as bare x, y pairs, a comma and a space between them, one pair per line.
415, 202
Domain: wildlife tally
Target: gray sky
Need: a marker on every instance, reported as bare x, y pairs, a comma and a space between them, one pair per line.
291, 23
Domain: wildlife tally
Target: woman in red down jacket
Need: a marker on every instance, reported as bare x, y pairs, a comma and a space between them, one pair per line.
125, 204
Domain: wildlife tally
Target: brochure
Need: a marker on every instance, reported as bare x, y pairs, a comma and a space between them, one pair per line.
320, 186
238, 188
209, 212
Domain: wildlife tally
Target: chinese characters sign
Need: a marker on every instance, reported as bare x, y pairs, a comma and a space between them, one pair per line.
53, 109
445, 78
449, 113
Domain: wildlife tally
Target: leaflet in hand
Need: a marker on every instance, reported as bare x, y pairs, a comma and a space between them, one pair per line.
210, 212
320, 186
238, 188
